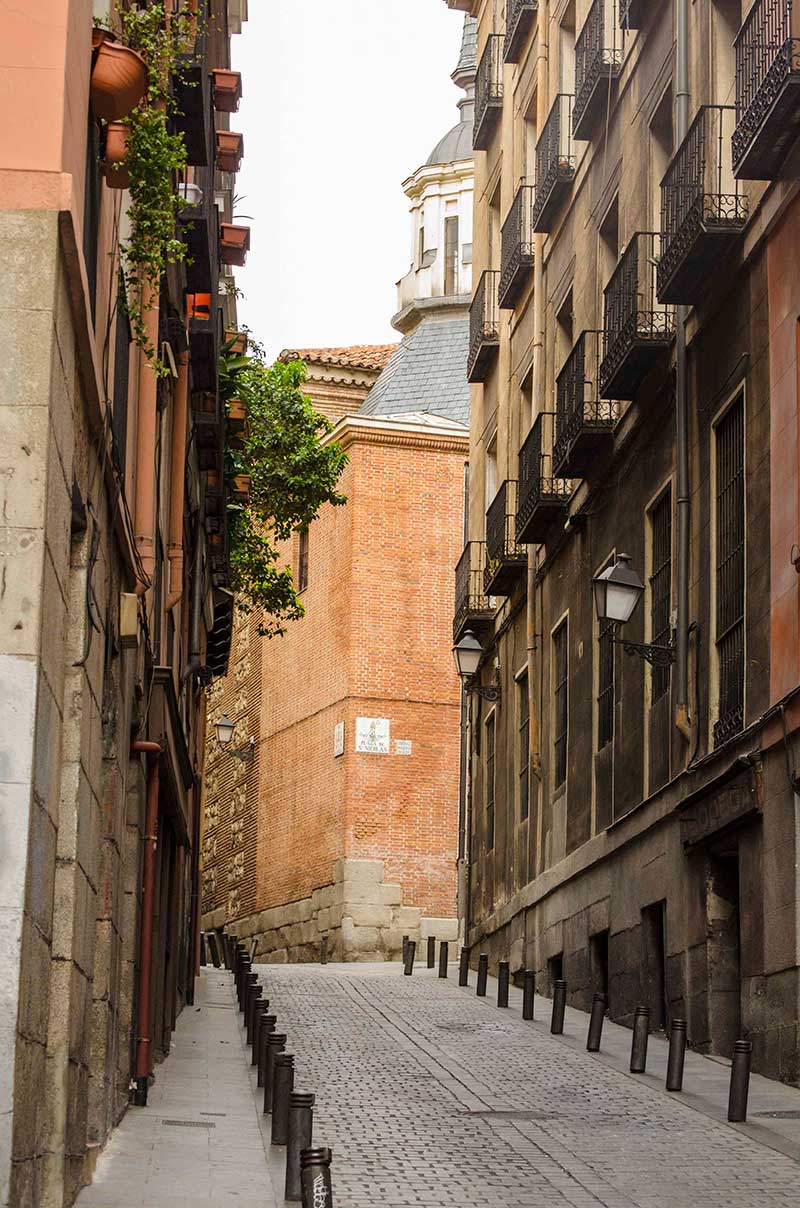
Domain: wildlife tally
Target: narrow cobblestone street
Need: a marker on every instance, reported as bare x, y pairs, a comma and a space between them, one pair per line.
430, 1096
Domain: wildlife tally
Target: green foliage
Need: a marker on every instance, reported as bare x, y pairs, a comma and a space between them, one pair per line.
292, 476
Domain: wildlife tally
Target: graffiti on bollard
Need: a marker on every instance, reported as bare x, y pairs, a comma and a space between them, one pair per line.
315, 1178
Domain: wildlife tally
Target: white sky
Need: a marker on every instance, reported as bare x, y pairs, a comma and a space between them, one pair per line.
343, 99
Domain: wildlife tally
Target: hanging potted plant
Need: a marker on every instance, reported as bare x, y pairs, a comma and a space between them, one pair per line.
119, 77
115, 166
230, 149
240, 487
236, 342
237, 415
213, 481
227, 89
234, 244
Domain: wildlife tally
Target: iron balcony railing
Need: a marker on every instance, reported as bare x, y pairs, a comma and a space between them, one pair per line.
584, 420
473, 607
702, 206
540, 496
505, 559
637, 327
598, 59
632, 13
516, 248
767, 99
488, 92
555, 162
484, 326
520, 15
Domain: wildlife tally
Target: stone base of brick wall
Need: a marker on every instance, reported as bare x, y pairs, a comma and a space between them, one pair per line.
363, 917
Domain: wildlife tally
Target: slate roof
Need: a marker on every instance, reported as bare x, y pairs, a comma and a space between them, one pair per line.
428, 373
360, 356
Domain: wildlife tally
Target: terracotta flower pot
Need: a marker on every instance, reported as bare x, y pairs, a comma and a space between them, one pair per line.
237, 414
213, 480
205, 404
237, 340
114, 165
234, 243
227, 90
240, 487
230, 149
119, 78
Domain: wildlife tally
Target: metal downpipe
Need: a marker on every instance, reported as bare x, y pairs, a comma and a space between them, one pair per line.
144, 1022
682, 504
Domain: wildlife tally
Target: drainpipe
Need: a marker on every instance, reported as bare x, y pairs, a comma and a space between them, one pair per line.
682, 716
177, 482
146, 444
144, 1022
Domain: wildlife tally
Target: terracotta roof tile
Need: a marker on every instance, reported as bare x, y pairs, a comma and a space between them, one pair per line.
360, 356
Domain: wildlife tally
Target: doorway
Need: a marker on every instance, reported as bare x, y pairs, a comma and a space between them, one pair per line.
723, 938
598, 948
654, 963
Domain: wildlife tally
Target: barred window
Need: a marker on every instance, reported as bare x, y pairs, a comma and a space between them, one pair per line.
490, 743
605, 682
560, 704
730, 571
450, 256
661, 586
302, 560
524, 747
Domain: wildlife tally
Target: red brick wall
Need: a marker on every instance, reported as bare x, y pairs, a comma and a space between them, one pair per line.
375, 642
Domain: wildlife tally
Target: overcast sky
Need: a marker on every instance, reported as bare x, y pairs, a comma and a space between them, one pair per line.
342, 102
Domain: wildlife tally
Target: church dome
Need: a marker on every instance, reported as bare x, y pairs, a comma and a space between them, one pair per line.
456, 144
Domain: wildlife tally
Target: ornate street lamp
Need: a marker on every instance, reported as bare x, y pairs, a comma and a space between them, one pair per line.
225, 728
617, 591
467, 654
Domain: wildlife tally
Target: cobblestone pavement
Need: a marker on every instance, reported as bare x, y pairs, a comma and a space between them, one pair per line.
429, 1096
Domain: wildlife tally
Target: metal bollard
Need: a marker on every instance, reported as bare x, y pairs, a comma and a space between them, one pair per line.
202, 948
740, 1081
463, 967
431, 951
283, 1087
599, 1004
408, 968
256, 997
261, 1008
248, 979
641, 1034
323, 950
213, 944
483, 973
444, 951
405, 948
253, 950
502, 984
244, 967
528, 992
268, 1023
252, 992
315, 1177
276, 1043
559, 1006
301, 1124
227, 953
677, 1055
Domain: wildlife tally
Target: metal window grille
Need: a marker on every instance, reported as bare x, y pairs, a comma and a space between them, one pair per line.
302, 561
661, 586
524, 748
490, 748
730, 571
450, 256
560, 704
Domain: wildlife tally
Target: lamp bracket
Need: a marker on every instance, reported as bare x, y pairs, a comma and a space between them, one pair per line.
245, 754
492, 694
656, 656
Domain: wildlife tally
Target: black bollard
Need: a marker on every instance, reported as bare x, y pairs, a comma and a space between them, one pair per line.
252, 991
253, 950
261, 1008
315, 1177
483, 973
463, 967
444, 950
276, 1043
323, 950
431, 951
740, 1081
213, 943
227, 953
282, 1089
268, 1023
248, 979
256, 997
528, 992
405, 948
301, 1123
677, 1055
502, 984
408, 968
559, 1006
202, 948
599, 1004
641, 1034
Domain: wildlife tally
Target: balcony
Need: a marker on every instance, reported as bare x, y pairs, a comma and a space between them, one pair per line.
484, 328
542, 499
516, 249
767, 92
520, 16
638, 328
474, 609
598, 60
193, 105
197, 225
702, 209
632, 13
555, 163
506, 560
205, 340
488, 93
584, 421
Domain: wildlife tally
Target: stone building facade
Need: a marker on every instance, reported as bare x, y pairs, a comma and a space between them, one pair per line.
633, 354
112, 617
